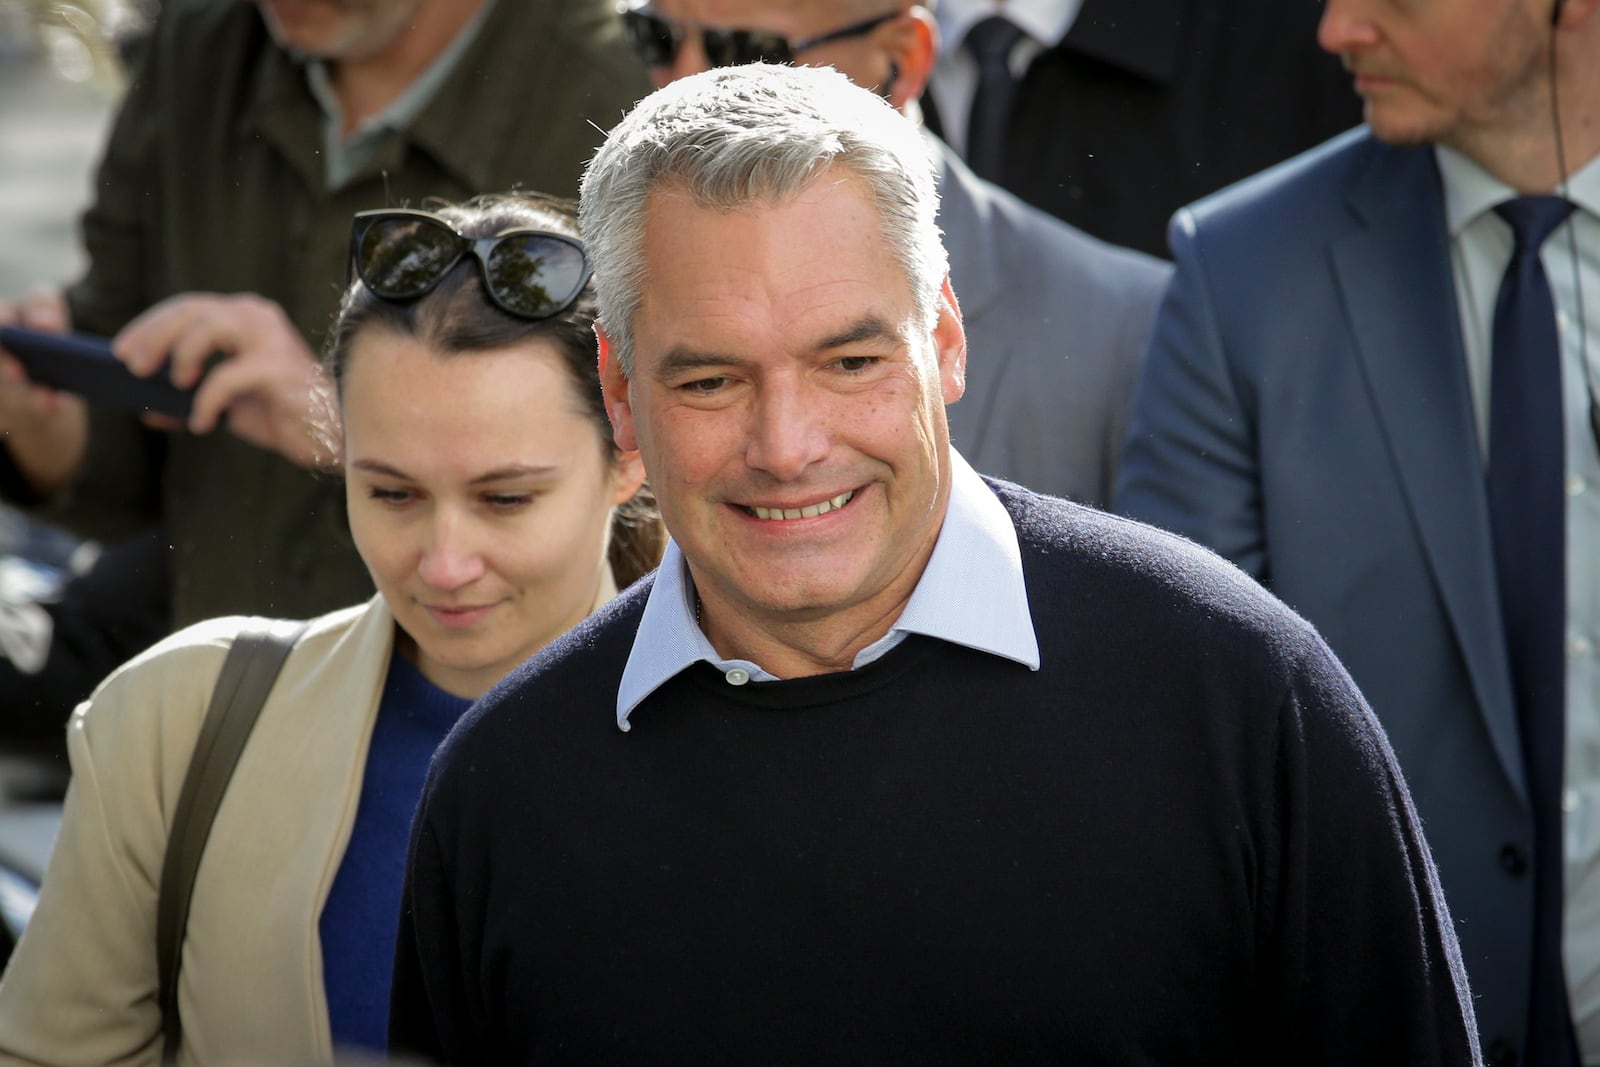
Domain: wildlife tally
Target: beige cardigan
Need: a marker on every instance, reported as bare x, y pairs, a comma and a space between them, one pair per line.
81, 988
82, 985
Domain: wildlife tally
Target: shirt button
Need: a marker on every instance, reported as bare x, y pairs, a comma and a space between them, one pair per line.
1576, 486
1513, 861
1580, 648
737, 676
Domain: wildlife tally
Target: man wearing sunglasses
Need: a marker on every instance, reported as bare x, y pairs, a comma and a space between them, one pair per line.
887, 762
1056, 320
250, 134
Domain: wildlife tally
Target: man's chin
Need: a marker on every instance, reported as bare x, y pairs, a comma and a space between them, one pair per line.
798, 599
317, 29
1391, 126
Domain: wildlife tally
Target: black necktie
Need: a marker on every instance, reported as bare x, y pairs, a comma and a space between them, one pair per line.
1527, 506
990, 42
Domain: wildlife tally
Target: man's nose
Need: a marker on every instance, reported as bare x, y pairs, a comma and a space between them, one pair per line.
789, 431
1346, 27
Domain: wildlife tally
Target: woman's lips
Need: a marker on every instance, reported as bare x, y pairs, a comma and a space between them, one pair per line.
458, 618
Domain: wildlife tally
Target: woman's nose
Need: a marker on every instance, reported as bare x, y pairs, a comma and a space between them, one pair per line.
452, 559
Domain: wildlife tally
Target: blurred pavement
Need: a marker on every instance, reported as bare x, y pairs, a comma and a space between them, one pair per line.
51, 131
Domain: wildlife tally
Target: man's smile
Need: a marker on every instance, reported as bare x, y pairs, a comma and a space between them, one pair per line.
808, 511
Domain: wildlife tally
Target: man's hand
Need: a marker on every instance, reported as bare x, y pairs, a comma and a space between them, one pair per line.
45, 431
265, 382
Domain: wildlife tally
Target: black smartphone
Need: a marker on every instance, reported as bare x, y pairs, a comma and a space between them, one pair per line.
82, 363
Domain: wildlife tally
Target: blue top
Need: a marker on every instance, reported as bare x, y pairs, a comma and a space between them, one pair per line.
361, 915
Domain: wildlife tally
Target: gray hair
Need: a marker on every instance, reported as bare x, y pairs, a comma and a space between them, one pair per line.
735, 136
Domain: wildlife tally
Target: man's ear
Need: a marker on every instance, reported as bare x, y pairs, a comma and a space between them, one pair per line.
950, 343
629, 477
614, 387
912, 42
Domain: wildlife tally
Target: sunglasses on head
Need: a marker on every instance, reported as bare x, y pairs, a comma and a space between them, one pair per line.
400, 255
656, 39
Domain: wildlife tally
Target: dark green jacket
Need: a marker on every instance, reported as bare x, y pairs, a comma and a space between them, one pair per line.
213, 181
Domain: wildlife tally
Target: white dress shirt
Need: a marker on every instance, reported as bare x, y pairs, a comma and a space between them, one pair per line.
971, 593
955, 76
1481, 246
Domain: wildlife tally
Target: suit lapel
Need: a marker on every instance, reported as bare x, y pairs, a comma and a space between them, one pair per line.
1399, 296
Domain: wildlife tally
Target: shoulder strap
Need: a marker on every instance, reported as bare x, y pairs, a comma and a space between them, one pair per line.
249, 670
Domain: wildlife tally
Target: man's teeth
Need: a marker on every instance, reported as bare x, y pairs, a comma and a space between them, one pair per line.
810, 511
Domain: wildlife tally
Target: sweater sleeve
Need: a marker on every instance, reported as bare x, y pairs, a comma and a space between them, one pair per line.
1355, 923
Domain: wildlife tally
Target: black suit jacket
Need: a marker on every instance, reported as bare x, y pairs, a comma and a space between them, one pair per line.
1147, 105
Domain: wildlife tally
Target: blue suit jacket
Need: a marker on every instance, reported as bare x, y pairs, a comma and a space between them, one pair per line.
1305, 411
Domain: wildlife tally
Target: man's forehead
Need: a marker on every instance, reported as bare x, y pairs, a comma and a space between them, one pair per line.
807, 258
835, 190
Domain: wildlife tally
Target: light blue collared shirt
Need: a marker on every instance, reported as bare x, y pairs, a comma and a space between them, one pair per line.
971, 593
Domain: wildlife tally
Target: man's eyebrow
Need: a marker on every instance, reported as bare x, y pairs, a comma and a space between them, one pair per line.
870, 328
682, 360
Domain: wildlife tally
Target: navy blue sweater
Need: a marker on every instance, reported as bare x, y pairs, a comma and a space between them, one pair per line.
357, 925
1183, 840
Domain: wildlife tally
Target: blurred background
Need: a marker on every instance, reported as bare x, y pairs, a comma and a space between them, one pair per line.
61, 75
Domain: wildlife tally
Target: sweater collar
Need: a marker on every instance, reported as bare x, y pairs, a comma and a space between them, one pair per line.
971, 593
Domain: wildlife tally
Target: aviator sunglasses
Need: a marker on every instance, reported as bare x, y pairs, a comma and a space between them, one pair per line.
400, 255
656, 39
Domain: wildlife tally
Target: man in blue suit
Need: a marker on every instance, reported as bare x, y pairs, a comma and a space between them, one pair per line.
1057, 321
1318, 406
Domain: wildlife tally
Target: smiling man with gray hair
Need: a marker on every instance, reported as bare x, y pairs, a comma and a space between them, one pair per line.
890, 762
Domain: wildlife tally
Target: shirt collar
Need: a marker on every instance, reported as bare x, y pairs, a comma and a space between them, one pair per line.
971, 593
1470, 190
403, 109
1045, 21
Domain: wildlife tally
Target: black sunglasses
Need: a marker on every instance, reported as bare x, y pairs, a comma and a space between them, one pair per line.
656, 40
400, 255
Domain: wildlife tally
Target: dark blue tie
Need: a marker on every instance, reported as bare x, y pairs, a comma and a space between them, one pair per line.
991, 42
1527, 466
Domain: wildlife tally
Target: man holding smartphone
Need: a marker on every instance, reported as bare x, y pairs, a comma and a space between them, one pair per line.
249, 136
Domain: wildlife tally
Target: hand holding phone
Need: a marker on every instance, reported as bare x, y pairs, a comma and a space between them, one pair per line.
82, 363
252, 370
241, 362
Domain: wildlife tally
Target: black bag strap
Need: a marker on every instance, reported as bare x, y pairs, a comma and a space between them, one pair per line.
248, 672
